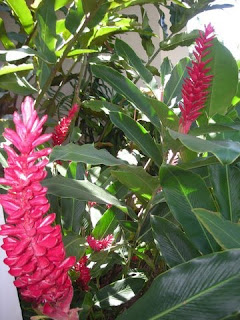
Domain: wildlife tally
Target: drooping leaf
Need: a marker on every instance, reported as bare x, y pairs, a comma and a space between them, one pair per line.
12, 82
165, 69
81, 190
100, 105
205, 288
118, 292
173, 87
74, 245
74, 17
85, 153
137, 180
180, 39
226, 151
225, 79
72, 212
138, 134
127, 89
167, 117
175, 247
184, 191
226, 188
226, 233
23, 14
11, 68
126, 52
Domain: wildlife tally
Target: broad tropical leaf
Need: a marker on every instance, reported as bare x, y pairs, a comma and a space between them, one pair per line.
173, 244
226, 233
138, 134
184, 191
85, 153
226, 188
205, 288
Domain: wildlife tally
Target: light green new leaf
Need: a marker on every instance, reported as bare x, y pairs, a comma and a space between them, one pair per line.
74, 245
205, 288
226, 233
11, 68
126, 52
7, 43
127, 89
60, 3
174, 85
226, 188
184, 191
225, 79
85, 153
118, 292
81, 190
106, 225
175, 247
137, 180
226, 151
180, 39
23, 13
138, 134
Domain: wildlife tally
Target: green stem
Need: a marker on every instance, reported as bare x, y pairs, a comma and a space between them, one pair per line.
79, 81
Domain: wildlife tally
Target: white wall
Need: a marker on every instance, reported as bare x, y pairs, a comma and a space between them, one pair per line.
9, 303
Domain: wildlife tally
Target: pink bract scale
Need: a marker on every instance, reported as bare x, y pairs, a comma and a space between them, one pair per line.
98, 245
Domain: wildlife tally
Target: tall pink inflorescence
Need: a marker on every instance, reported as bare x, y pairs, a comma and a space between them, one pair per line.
34, 247
61, 130
195, 88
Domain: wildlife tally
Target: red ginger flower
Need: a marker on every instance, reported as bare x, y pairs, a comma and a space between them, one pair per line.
195, 88
85, 276
61, 130
98, 245
34, 248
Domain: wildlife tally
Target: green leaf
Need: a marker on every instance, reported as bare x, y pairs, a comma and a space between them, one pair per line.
180, 39
172, 242
106, 225
11, 82
165, 69
184, 191
226, 233
167, 117
46, 38
137, 180
173, 87
72, 214
74, 17
23, 13
225, 79
74, 245
81, 190
226, 151
138, 134
127, 89
20, 53
100, 105
118, 292
205, 288
11, 68
226, 188
85, 153
6, 42
60, 3
126, 52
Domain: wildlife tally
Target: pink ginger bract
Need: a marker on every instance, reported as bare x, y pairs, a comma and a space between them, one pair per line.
84, 276
195, 88
98, 245
34, 247
61, 130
